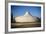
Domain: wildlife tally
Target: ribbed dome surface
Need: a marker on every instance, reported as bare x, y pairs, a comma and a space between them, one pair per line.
27, 17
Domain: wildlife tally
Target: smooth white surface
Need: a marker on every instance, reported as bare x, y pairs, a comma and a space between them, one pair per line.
2, 18
23, 29
2, 23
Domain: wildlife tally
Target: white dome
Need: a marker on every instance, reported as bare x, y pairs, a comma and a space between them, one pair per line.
26, 18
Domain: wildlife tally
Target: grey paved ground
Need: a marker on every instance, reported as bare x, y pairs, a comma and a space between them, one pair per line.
25, 25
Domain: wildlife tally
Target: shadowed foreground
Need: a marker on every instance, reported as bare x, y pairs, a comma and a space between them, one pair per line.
25, 25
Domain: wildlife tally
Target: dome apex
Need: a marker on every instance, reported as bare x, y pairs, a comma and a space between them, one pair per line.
27, 13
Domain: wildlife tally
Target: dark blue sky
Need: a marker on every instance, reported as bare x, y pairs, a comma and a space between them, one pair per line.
20, 10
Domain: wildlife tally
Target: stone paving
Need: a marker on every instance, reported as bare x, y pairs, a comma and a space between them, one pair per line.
25, 25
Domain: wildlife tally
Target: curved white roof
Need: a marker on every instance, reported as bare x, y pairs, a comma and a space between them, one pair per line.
26, 18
